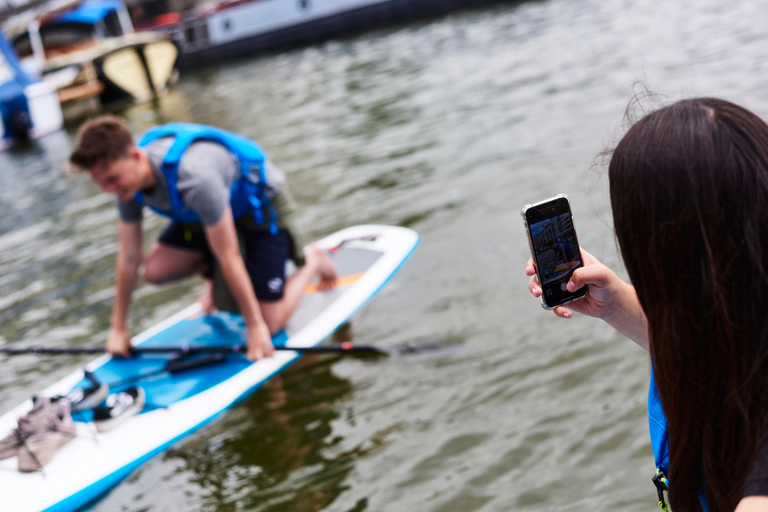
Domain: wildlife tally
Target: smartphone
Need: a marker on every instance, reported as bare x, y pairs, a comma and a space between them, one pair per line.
554, 248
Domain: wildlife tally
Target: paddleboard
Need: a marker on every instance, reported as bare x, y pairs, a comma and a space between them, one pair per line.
181, 402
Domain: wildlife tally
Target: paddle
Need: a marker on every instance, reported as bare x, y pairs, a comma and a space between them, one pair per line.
342, 348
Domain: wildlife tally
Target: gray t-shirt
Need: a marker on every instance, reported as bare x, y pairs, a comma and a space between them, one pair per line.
206, 173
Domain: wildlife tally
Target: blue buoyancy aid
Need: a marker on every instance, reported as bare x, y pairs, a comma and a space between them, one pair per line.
657, 424
248, 191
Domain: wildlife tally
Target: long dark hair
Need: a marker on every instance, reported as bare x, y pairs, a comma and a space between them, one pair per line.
689, 193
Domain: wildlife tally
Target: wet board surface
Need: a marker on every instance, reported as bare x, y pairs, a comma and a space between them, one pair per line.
180, 402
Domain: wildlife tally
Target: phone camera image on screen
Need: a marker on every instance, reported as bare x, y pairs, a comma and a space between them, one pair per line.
555, 248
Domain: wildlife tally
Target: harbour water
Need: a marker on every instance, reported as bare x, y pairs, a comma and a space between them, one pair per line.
448, 126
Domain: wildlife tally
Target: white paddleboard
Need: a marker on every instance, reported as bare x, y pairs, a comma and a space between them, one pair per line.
181, 402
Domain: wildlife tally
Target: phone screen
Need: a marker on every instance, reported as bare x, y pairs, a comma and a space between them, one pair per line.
555, 249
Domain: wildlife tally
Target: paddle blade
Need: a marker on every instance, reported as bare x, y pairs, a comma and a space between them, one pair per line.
429, 346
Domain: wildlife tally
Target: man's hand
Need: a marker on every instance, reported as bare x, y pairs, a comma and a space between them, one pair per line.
259, 342
119, 341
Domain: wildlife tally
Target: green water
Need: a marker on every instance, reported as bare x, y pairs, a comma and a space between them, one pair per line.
447, 126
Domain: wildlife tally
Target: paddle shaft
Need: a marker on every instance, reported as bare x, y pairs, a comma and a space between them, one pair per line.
344, 348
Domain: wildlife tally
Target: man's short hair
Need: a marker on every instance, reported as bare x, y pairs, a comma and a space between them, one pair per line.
104, 139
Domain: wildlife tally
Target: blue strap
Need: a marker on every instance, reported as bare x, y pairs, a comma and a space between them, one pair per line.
272, 216
657, 424
255, 201
264, 200
171, 169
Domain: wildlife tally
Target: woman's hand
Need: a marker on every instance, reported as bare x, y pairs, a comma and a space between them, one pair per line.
603, 286
609, 298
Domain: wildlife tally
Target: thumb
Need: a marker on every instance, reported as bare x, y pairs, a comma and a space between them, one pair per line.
255, 354
595, 275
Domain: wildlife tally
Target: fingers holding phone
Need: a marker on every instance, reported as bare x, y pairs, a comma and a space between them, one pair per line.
605, 288
535, 289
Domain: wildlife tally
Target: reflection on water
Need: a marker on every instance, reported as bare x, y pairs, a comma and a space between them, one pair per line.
272, 452
276, 451
447, 126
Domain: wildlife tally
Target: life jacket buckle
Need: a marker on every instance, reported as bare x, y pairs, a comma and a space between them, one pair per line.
254, 174
661, 482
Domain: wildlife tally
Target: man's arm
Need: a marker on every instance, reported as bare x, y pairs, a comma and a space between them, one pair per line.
129, 256
222, 238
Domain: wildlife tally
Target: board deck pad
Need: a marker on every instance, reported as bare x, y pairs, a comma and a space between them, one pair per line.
350, 263
178, 403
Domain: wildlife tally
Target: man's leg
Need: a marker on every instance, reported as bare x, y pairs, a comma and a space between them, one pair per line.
167, 263
265, 260
277, 313
180, 252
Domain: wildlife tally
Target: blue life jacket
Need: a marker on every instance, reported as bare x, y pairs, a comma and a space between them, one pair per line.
248, 191
657, 424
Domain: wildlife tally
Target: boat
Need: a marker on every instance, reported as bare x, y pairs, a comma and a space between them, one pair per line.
28, 107
180, 402
91, 54
232, 28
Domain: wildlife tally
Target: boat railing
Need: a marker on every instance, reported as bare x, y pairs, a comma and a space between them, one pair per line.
191, 35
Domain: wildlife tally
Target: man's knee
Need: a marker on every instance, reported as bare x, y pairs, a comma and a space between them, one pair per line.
153, 273
274, 324
273, 315
164, 264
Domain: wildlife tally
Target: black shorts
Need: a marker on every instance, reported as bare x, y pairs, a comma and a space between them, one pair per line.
265, 254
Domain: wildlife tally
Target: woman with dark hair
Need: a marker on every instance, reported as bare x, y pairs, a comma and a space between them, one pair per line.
689, 194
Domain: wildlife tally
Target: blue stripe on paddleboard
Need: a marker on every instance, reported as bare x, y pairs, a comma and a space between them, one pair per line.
97, 489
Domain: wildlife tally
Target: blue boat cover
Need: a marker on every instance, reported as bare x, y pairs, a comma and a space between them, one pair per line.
13, 102
90, 12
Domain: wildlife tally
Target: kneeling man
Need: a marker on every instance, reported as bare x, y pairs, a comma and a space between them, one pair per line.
229, 211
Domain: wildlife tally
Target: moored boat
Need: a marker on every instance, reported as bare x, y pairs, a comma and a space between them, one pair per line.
28, 107
90, 53
230, 28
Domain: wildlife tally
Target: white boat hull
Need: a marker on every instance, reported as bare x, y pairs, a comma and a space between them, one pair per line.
263, 24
